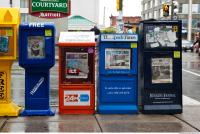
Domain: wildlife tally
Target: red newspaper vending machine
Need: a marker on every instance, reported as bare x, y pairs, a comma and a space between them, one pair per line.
77, 73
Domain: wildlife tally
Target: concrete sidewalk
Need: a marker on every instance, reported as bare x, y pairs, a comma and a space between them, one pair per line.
188, 121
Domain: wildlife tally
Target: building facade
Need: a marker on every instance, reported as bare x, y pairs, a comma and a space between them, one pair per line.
89, 9
152, 9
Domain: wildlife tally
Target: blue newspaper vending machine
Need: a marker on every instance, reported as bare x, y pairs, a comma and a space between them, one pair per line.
117, 93
37, 56
161, 66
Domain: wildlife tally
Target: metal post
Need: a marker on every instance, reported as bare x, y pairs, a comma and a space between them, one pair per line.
172, 10
189, 36
104, 16
11, 2
120, 23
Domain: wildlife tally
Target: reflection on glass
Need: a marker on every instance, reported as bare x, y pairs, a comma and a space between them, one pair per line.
161, 70
77, 65
4, 41
117, 58
36, 47
161, 36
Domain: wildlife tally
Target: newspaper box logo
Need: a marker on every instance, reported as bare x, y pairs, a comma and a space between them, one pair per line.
71, 98
77, 98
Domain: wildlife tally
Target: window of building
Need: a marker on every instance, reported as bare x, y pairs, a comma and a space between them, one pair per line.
180, 7
195, 23
151, 3
24, 17
148, 5
150, 15
146, 16
161, 13
183, 8
23, 3
195, 8
145, 6
155, 14
156, 2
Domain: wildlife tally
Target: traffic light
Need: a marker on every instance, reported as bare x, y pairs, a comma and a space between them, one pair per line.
165, 10
175, 10
119, 5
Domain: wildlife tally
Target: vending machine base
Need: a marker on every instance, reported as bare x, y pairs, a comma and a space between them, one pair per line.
9, 109
37, 113
76, 111
172, 109
119, 109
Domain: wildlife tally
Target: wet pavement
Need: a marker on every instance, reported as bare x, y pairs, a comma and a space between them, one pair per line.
191, 75
188, 121
185, 122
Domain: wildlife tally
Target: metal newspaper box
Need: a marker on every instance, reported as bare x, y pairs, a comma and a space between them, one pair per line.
9, 22
37, 56
161, 66
118, 74
77, 73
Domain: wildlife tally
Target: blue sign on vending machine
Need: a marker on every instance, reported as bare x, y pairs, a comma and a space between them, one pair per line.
37, 56
117, 93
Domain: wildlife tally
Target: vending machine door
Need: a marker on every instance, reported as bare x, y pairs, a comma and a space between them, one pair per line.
118, 58
162, 36
161, 70
77, 65
37, 49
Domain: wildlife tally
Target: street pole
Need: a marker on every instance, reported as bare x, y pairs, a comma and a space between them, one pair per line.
120, 23
189, 36
172, 10
11, 3
104, 16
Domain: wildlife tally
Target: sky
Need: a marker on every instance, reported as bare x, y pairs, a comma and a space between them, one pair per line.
130, 8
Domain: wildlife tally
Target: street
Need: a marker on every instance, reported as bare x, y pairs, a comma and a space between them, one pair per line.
191, 75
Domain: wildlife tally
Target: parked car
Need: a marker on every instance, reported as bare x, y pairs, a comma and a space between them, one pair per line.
187, 45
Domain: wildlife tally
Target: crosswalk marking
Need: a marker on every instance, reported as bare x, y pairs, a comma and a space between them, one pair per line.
191, 72
189, 101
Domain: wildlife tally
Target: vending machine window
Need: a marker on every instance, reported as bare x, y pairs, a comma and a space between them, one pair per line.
4, 42
76, 67
6, 37
36, 47
117, 58
161, 69
161, 36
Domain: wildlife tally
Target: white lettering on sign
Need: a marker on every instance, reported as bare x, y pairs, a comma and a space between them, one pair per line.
76, 37
119, 37
43, 14
35, 88
58, 5
35, 24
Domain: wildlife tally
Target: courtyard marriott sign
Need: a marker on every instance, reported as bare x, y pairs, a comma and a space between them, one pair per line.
49, 8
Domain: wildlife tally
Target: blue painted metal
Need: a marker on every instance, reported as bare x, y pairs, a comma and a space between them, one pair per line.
161, 97
37, 69
117, 92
